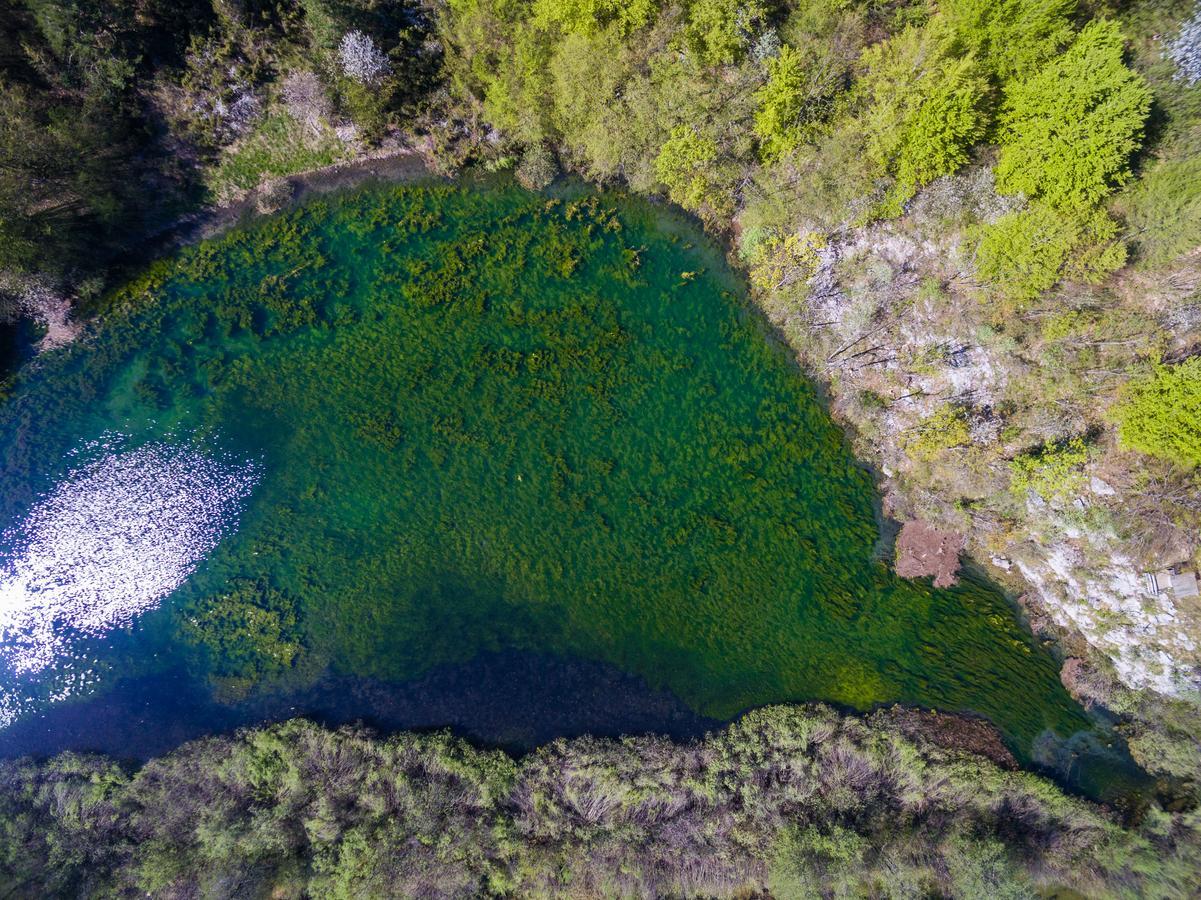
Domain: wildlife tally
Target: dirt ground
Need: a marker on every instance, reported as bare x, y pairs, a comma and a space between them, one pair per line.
923, 550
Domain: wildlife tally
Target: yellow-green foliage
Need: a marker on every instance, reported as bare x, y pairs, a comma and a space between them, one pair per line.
1066, 324
587, 72
500, 58
1026, 252
1067, 134
1160, 414
685, 165
945, 429
1163, 210
1068, 130
927, 107
1052, 471
718, 30
810, 802
774, 259
589, 16
783, 108
1011, 37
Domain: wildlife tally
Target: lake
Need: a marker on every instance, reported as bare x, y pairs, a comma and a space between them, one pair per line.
440, 441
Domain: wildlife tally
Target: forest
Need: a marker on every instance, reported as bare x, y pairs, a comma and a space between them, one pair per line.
975, 224
789, 802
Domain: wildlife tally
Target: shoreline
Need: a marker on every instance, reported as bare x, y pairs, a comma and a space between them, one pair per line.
397, 166
408, 165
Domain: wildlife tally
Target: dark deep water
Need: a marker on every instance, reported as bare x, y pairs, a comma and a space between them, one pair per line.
430, 456
513, 700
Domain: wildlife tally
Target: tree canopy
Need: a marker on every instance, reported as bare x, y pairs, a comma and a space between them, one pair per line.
1068, 130
927, 108
1160, 414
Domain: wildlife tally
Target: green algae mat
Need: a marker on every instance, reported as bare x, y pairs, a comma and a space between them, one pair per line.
471, 418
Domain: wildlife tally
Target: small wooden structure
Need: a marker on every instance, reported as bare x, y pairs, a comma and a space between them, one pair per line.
1180, 584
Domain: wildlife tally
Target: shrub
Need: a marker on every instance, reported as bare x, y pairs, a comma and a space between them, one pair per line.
1160, 414
685, 165
590, 16
946, 428
927, 108
1026, 252
1068, 131
798, 800
1052, 471
778, 260
1163, 210
1011, 37
361, 60
789, 104
719, 31
538, 167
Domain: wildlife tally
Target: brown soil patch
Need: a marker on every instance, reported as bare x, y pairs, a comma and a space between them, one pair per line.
950, 732
923, 550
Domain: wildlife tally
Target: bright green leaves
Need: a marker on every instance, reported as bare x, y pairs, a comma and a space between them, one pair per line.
590, 16
587, 74
697, 174
1011, 38
1067, 134
686, 166
927, 109
718, 31
1160, 414
945, 429
785, 104
1052, 471
1068, 126
496, 55
1028, 251
1068, 131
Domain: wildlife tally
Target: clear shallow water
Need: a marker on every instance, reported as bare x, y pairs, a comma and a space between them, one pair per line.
393, 431
121, 530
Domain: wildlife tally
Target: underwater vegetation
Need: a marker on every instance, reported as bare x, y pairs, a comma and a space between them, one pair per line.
486, 418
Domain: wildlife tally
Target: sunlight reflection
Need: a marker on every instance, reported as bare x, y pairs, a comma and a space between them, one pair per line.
116, 535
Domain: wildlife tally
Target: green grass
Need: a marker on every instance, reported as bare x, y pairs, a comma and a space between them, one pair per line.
278, 146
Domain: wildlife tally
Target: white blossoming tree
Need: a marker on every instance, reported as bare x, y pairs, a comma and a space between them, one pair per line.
1185, 51
361, 60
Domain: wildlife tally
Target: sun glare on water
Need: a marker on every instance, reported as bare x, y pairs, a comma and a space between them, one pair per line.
116, 535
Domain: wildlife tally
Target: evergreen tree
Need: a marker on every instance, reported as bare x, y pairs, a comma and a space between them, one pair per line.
1067, 132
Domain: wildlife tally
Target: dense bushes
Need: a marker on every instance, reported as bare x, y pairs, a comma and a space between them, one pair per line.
116, 116
1067, 131
850, 124
927, 108
1067, 134
1053, 471
908, 92
1027, 251
1160, 413
799, 801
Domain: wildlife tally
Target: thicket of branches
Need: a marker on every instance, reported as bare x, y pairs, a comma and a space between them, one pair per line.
796, 800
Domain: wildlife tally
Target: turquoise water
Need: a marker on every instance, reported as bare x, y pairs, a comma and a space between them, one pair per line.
393, 430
